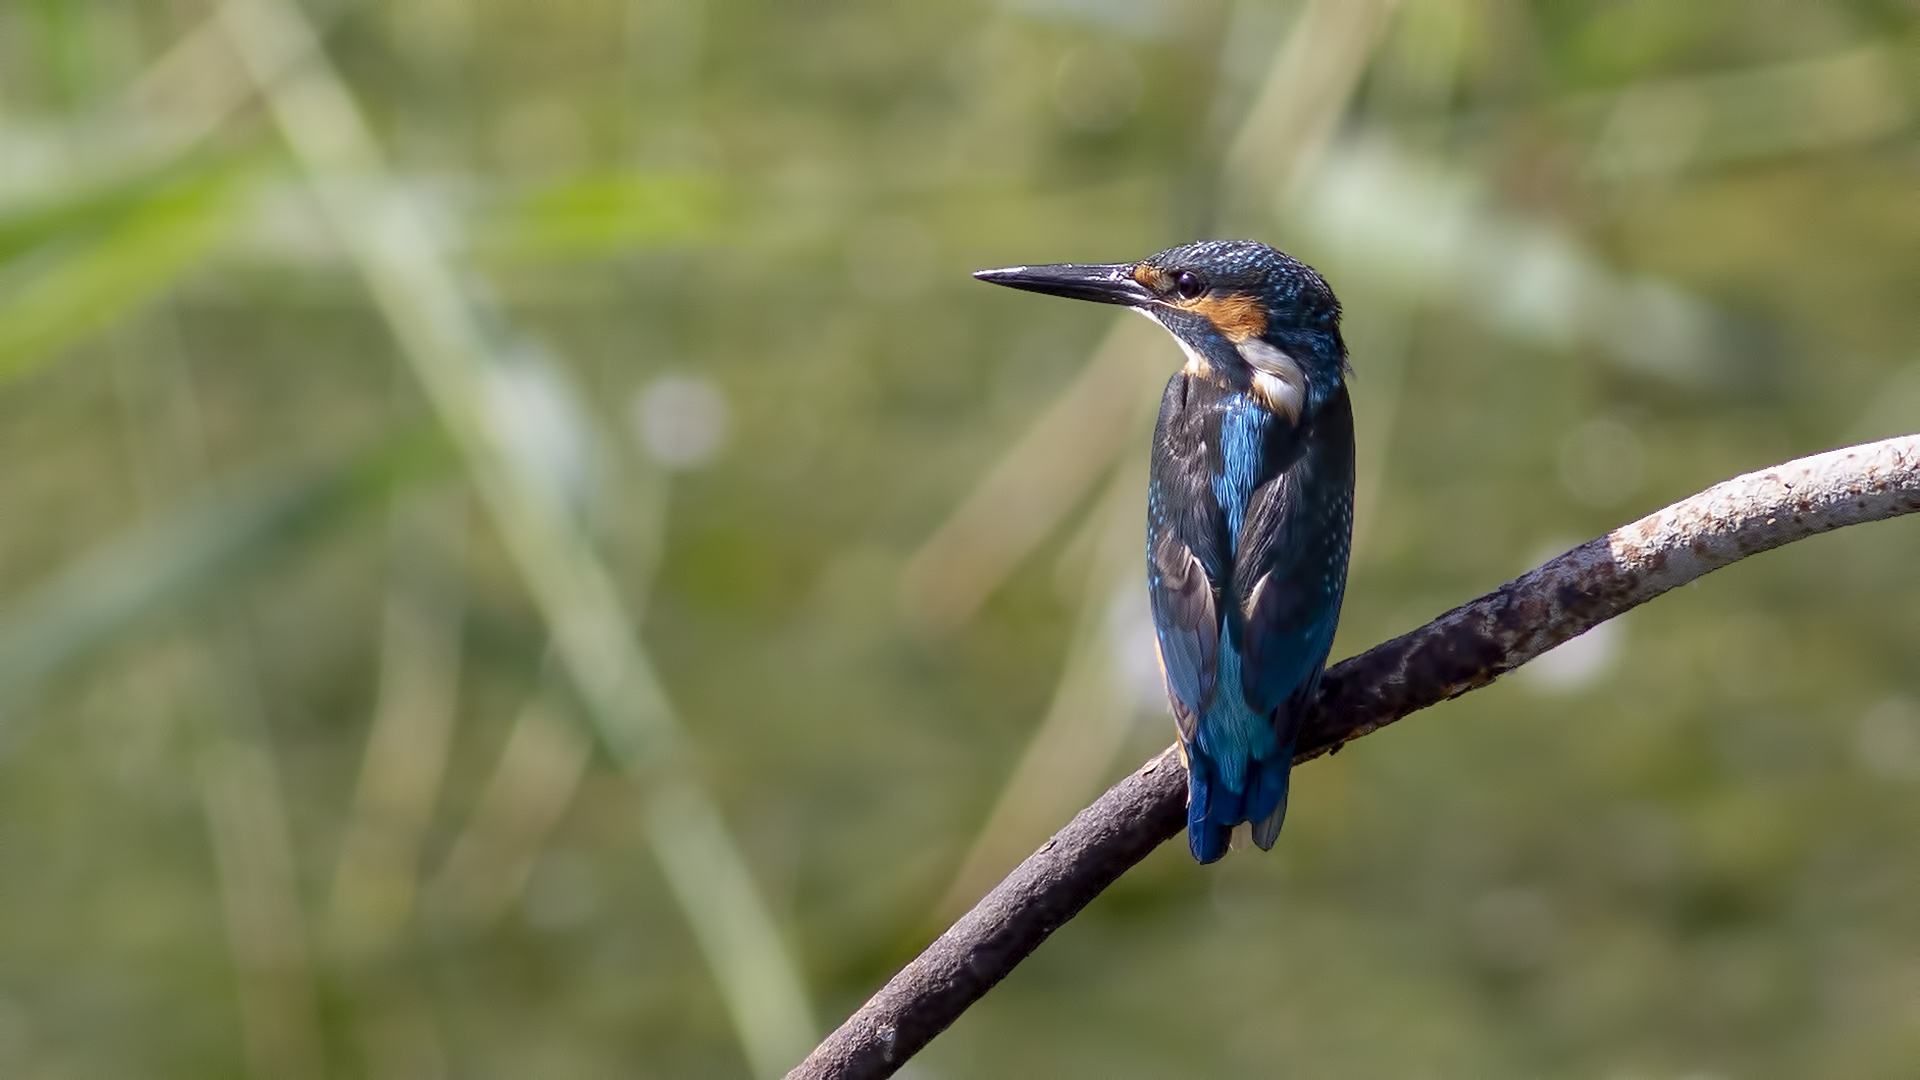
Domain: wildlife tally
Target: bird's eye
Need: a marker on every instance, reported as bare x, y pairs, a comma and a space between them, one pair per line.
1187, 285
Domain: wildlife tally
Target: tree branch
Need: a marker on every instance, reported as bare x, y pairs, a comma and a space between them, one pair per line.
1462, 650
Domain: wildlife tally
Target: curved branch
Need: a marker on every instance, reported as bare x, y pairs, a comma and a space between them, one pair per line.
1462, 650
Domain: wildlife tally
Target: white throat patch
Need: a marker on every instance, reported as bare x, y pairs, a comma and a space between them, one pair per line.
1278, 379
1196, 364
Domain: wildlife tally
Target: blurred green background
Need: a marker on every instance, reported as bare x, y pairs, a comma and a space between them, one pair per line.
422, 508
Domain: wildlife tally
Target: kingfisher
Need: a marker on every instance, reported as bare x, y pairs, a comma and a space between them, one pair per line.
1249, 508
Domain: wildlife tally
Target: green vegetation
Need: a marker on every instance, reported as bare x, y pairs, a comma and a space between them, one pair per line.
354, 723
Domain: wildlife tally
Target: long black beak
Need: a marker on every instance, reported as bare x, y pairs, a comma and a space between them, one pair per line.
1109, 284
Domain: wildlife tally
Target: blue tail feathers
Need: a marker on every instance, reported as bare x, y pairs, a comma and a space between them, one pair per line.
1267, 797
1206, 838
1213, 808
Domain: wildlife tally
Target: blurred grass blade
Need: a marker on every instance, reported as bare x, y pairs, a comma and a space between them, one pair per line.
265, 927
1305, 94
1075, 747
84, 211
711, 880
546, 753
177, 102
183, 97
601, 215
402, 766
207, 544
413, 718
253, 857
1018, 504
67, 290
455, 349
540, 768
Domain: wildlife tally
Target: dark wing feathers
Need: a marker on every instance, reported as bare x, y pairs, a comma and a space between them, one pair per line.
1187, 623
1292, 566
1185, 541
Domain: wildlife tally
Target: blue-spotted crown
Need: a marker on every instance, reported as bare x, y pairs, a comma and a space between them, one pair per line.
1231, 279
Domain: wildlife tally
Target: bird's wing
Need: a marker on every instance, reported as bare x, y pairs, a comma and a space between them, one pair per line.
1292, 565
1185, 552
1185, 622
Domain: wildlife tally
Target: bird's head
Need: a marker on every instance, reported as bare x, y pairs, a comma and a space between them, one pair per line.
1245, 314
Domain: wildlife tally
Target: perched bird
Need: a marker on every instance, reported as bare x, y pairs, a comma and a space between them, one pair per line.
1249, 511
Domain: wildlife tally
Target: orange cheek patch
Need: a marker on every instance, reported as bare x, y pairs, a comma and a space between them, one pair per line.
1237, 315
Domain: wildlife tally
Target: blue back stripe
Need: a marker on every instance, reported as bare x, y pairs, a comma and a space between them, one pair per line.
1243, 435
